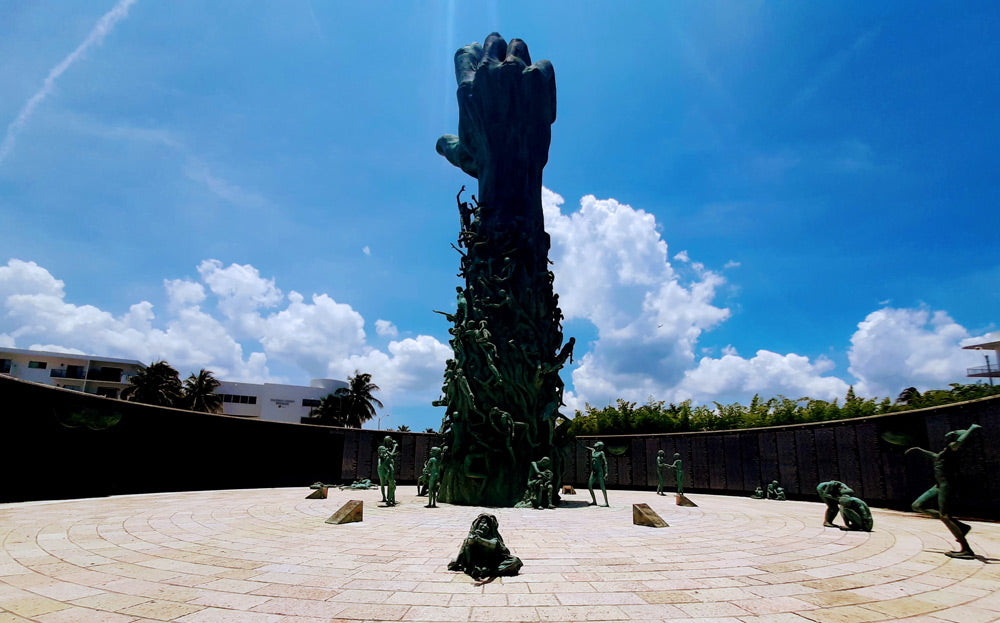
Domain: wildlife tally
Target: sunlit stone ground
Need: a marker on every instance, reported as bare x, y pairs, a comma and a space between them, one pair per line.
266, 556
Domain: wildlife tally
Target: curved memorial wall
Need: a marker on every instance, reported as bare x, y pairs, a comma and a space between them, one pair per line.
800, 456
157, 449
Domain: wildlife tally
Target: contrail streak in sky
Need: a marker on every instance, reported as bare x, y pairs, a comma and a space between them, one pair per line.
101, 30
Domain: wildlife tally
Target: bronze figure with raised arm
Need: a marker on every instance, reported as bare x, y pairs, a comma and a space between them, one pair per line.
944, 466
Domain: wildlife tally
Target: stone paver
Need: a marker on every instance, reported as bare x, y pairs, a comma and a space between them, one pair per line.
267, 556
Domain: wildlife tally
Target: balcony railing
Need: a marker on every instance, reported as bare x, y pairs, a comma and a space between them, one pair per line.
58, 373
983, 372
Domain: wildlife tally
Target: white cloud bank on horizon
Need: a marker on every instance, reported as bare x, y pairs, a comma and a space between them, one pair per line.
320, 337
612, 269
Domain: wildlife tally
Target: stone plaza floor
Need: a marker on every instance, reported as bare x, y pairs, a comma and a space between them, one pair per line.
266, 556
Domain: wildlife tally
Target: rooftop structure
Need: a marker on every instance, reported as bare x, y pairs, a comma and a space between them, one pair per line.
104, 376
992, 369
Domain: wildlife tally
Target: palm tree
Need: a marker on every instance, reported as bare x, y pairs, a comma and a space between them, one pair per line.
909, 396
157, 384
199, 393
358, 404
329, 411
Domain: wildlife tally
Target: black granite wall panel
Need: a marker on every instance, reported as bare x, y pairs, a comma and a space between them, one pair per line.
216, 448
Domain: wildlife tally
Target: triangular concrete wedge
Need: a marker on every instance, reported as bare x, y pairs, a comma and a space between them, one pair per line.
643, 515
348, 513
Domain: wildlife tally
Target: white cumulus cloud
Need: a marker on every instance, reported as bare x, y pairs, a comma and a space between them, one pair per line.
409, 373
312, 334
898, 348
732, 377
211, 324
386, 328
612, 268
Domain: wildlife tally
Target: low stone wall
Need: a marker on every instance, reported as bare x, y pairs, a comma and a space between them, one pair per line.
156, 449
801, 456
361, 447
151, 449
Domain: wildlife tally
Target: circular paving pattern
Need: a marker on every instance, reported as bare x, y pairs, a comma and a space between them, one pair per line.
266, 556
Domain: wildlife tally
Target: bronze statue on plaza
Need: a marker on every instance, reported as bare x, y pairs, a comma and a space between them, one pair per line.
661, 468
598, 470
433, 470
678, 467
483, 553
502, 389
539, 491
839, 498
775, 491
387, 453
944, 466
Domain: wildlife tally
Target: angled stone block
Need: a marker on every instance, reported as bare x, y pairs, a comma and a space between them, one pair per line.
348, 513
643, 515
318, 494
682, 500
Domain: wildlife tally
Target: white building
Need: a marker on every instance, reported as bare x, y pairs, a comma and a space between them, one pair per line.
273, 401
104, 376
107, 376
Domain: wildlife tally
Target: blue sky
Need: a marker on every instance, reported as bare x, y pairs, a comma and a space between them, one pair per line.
743, 197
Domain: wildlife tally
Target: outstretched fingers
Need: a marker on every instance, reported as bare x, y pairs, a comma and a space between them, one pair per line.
495, 47
467, 59
517, 50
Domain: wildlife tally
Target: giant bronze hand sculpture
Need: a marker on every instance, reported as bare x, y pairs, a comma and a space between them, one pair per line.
502, 388
506, 106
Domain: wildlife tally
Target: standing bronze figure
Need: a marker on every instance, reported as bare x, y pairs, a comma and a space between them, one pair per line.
944, 466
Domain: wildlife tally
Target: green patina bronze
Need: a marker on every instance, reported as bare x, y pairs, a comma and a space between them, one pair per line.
678, 467
598, 470
433, 470
775, 491
839, 498
539, 491
502, 390
387, 453
661, 471
358, 484
483, 553
856, 514
944, 466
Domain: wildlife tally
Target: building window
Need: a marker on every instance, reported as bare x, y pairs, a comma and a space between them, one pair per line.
240, 400
5, 366
38, 365
310, 402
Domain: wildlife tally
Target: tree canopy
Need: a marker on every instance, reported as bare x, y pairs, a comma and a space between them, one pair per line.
349, 406
159, 384
156, 384
199, 393
655, 416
